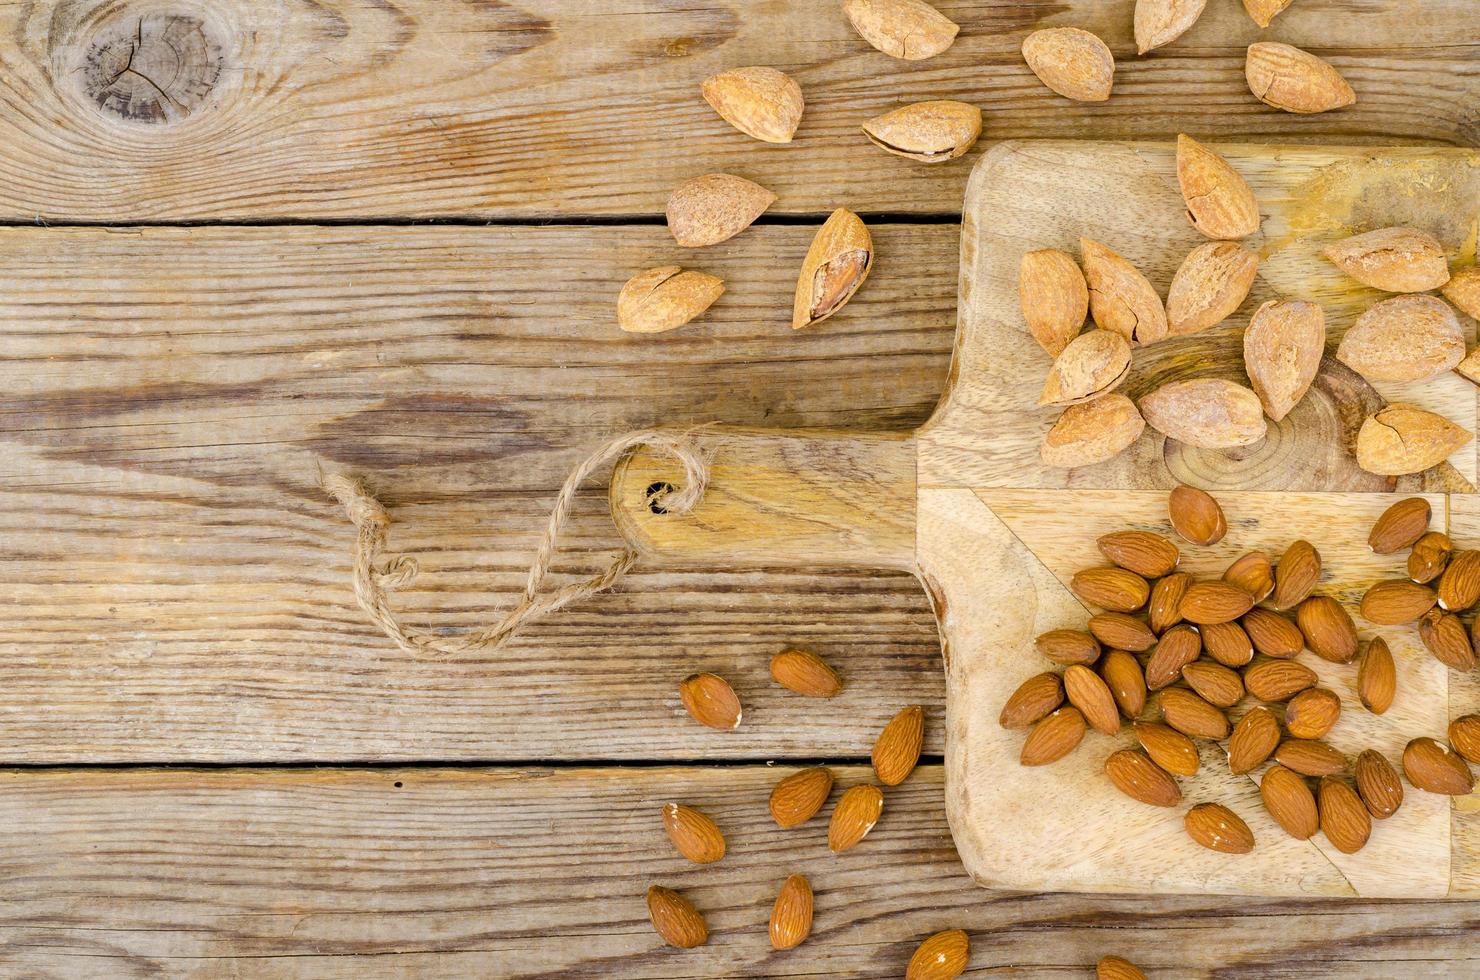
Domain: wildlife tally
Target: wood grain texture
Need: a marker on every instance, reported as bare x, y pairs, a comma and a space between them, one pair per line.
540, 873
177, 587
352, 108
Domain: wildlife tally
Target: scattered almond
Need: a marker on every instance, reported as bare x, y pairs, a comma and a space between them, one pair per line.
1312, 713
1121, 299
1378, 784
1463, 290
1111, 588
1115, 968
1264, 11
1168, 748
839, 260
1218, 828
941, 957
1160, 22
711, 701
1272, 634
1435, 769
1054, 737
1253, 573
1054, 298
1377, 678
1220, 203
714, 208
1464, 737
908, 29
1277, 680
798, 797
1327, 628
1196, 515
1178, 647
693, 834
1071, 62
1288, 78
1164, 607
1209, 413
1034, 698
806, 673
857, 811
1122, 631
1148, 555
1282, 353
1122, 675
1344, 818
1214, 683
927, 132
1254, 739
1309, 757
1067, 646
1399, 526
665, 298
1443, 635
1191, 715
1092, 432
1208, 286
1459, 586
1227, 643
1396, 601
1400, 439
1296, 575
759, 101
1087, 692
1093, 364
1395, 260
1215, 601
897, 748
791, 916
1135, 775
1429, 557
675, 918
1289, 800
1405, 338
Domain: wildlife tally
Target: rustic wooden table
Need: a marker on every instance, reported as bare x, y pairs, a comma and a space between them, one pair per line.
243, 242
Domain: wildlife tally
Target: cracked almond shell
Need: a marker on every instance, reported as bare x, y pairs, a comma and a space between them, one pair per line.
1054, 298
1121, 299
1160, 22
1288, 78
1074, 63
665, 298
1093, 364
710, 209
759, 101
1404, 338
929, 132
1401, 439
1208, 286
1220, 203
1210, 413
908, 29
1395, 260
1282, 353
1092, 432
839, 260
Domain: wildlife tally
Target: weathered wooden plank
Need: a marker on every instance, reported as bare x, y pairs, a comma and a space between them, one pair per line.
177, 587
352, 108
541, 873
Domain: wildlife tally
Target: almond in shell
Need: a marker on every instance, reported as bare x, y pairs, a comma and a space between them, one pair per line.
1282, 353
1168, 748
1160, 22
665, 298
1378, 784
1463, 290
1277, 680
897, 748
857, 811
1114, 589
1195, 515
1377, 677
1121, 631
1395, 260
1444, 636
675, 918
1034, 698
791, 916
1054, 297
1073, 63
711, 701
1147, 554
1135, 775
1220, 203
1398, 527
908, 29
1227, 643
1469, 368
1405, 338
1327, 628
1288, 78
713, 208
837, 263
1309, 757
943, 956
1209, 413
1434, 768
1459, 586
1265, 11
1396, 601
1191, 715
1215, 683
1209, 285
1288, 799
1121, 299
694, 834
1087, 692
1254, 739
1164, 608
759, 101
1296, 575
1312, 713
1054, 737
798, 797
927, 132
1218, 828
1402, 439
1344, 818
1092, 432
1093, 364
805, 673
1121, 673
1179, 646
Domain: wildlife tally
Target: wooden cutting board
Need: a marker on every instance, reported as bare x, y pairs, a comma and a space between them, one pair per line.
994, 535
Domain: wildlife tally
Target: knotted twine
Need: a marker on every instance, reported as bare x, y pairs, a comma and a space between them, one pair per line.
374, 579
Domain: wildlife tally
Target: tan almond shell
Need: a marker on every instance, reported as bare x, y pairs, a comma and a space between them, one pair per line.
1054, 298
1401, 439
1071, 62
1404, 338
1208, 286
1470, 366
1093, 364
1463, 290
908, 29
713, 208
930, 132
1120, 297
1160, 22
1092, 432
1288, 78
1220, 203
760, 101
1210, 413
843, 232
665, 298
1265, 11
1395, 260
1282, 352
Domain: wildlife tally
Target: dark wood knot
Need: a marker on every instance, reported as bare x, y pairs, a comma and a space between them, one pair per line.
151, 68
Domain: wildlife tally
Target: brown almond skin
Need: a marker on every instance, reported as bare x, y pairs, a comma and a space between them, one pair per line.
694, 834
1191, 715
1464, 736
1168, 748
1396, 601
1215, 602
1163, 609
1378, 784
1328, 629
1254, 739
1068, 647
1429, 557
1087, 692
1288, 799
1214, 683
1179, 647
1148, 555
1272, 634
1220, 203
1054, 737
943, 956
1310, 758
1277, 680
1115, 589
1121, 631
1399, 526
855, 814
1116, 968
897, 748
1253, 573
1296, 575
797, 798
1444, 636
1344, 818
1135, 775
1195, 515
711, 701
805, 673
1434, 768
791, 916
836, 265
1377, 677
1312, 713
1228, 643
675, 918
1122, 674
1218, 828
1034, 698
1459, 586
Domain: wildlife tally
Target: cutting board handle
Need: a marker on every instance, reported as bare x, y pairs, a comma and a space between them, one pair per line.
778, 498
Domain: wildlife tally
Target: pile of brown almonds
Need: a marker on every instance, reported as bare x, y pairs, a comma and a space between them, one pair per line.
1205, 645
